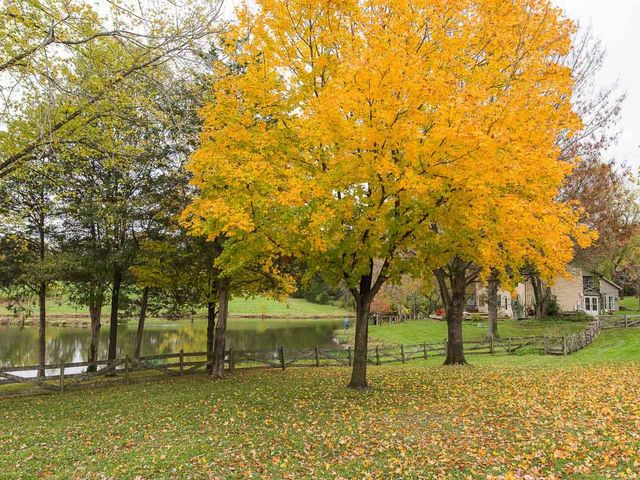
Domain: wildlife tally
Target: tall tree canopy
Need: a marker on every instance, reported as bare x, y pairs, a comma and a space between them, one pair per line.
359, 134
97, 116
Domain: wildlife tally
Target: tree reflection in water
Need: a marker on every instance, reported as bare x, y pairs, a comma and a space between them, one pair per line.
70, 344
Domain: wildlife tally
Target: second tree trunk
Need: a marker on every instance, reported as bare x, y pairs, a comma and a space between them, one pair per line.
359, 371
42, 342
113, 321
217, 370
492, 304
143, 315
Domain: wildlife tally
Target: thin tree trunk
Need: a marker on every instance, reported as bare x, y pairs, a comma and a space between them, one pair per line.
359, 371
42, 303
221, 329
540, 296
113, 320
211, 325
143, 315
42, 343
492, 304
95, 312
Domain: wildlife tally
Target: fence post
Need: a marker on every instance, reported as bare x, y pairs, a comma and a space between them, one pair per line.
281, 351
317, 357
61, 377
402, 352
626, 321
424, 346
181, 362
509, 345
377, 356
349, 352
564, 345
126, 369
491, 345
546, 344
444, 346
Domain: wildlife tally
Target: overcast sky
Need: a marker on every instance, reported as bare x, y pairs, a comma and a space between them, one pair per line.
617, 24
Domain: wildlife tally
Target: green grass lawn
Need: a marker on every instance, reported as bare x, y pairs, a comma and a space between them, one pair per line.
427, 331
548, 417
291, 307
631, 305
617, 346
55, 306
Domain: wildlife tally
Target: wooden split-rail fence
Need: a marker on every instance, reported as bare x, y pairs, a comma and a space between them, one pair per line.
619, 321
377, 319
67, 376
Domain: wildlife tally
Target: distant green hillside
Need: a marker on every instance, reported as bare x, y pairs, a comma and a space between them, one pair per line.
240, 306
291, 307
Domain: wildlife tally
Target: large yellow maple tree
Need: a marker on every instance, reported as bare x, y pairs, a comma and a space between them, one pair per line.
381, 137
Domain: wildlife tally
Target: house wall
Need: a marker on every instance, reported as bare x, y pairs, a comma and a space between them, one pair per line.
568, 291
483, 307
607, 290
525, 296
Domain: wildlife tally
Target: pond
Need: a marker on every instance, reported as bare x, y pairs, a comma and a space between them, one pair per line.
18, 346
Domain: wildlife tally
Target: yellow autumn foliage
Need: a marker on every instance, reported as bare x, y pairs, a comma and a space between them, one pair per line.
349, 131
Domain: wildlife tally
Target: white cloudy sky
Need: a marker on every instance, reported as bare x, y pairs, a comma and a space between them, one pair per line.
617, 24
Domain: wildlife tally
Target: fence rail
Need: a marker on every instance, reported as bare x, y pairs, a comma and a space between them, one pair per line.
66, 376
377, 319
619, 321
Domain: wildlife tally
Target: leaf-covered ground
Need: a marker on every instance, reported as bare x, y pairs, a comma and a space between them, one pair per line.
418, 421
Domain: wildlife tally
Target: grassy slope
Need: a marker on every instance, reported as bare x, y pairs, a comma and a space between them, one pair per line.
551, 416
631, 303
291, 307
426, 331
237, 306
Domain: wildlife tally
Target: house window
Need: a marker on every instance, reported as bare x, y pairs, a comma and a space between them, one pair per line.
588, 282
587, 303
506, 303
610, 303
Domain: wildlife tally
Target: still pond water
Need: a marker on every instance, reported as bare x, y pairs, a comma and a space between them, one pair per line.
70, 344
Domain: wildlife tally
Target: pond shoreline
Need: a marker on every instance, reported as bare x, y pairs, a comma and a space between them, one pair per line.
69, 343
81, 320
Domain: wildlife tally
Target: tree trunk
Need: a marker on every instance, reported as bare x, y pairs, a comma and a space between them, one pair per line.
217, 370
492, 304
42, 302
42, 343
453, 299
455, 314
95, 312
113, 321
539, 296
143, 315
211, 325
359, 371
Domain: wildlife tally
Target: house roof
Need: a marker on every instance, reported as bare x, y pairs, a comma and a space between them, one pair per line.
610, 282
